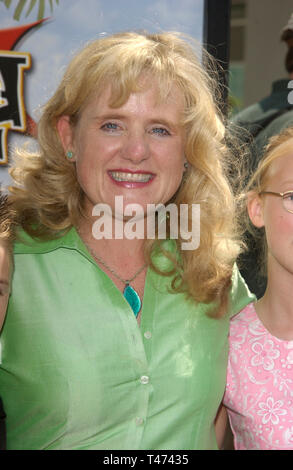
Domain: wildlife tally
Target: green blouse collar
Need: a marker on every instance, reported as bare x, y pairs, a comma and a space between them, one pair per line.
71, 240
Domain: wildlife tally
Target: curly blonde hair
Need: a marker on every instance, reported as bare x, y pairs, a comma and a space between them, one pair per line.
49, 198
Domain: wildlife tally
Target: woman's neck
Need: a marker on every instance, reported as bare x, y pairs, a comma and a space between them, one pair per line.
114, 251
121, 259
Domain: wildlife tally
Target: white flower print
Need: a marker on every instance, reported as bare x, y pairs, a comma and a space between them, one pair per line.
260, 393
289, 346
265, 354
256, 328
271, 411
290, 357
282, 382
288, 435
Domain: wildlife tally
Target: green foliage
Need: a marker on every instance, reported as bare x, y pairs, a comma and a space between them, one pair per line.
19, 9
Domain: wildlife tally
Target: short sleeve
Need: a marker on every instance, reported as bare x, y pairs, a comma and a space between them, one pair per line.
240, 295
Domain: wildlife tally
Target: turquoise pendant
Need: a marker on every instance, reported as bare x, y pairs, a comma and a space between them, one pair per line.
132, 298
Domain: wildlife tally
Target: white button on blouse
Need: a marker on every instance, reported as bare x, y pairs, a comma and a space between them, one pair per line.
147, 334
144, 379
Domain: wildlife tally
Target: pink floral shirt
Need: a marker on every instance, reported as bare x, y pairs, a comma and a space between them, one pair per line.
259, 391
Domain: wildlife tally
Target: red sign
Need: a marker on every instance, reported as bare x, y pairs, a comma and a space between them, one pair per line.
13, 116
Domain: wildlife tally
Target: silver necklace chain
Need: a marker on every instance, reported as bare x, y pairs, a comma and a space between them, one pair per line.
125, 281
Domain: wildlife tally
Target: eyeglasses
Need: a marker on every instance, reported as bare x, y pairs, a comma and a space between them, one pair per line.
287, 197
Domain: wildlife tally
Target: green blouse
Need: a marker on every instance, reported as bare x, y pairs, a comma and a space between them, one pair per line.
78, 372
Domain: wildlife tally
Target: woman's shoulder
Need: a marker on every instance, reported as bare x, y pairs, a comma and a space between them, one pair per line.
28, 244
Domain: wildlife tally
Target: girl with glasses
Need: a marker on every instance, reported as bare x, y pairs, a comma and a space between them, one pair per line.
259, 391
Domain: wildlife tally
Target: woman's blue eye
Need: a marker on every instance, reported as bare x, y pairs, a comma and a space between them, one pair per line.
161, 131
111, 126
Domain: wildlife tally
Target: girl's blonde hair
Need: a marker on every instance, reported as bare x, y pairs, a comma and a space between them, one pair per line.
49, 198
278, 146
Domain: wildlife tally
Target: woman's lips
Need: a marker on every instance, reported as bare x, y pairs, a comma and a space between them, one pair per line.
131, 179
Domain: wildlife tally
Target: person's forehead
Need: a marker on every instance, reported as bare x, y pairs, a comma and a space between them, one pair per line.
282, 167
148, 94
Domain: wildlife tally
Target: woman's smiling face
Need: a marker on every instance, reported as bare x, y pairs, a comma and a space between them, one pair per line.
135, 151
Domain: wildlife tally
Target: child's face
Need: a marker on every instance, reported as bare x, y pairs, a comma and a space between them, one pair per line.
268, 211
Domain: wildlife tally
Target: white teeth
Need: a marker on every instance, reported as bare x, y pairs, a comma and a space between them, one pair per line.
131, 177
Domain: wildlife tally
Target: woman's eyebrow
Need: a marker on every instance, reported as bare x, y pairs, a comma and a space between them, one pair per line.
104, 117
165, 122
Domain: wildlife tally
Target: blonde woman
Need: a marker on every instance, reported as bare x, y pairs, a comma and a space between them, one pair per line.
120, 342
259, 382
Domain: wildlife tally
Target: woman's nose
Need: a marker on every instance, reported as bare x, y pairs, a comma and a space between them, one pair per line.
136, 148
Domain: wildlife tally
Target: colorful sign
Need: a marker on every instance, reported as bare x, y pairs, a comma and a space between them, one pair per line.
33, 54
13, 115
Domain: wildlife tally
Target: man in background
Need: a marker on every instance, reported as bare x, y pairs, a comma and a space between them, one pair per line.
262, 120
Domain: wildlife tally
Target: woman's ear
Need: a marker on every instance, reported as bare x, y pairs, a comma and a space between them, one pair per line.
255, 209
65, 132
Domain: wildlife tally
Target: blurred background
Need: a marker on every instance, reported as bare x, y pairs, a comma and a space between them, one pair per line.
256, 51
